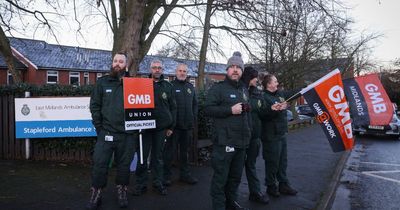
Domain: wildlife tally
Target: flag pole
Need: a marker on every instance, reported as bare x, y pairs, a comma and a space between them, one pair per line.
140, 146
293, 97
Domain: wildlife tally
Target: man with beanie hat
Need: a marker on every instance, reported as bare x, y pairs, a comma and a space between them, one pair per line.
227, 104
250, 79
236, 59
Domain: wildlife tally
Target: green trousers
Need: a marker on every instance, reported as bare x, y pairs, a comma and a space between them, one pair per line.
155, 140
123, 146
275, 156
182, 138
252, 153
228, 168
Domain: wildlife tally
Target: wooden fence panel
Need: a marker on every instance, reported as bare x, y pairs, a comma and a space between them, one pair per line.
12, 148
3, 121
6, 133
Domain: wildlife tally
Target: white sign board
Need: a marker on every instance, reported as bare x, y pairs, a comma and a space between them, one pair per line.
53, 117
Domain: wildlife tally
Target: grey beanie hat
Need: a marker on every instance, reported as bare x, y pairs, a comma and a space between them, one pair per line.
236, 59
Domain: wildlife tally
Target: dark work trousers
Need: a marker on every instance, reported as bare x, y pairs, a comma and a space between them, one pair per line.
275, 156
228, 168
123, 146
152, 139
252, 153
182, 138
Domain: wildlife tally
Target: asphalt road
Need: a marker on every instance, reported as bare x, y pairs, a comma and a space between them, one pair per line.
371, 179
49, 185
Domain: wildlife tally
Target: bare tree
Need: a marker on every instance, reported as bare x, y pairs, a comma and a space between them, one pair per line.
296, 34
187, 50
135, 24
12, 13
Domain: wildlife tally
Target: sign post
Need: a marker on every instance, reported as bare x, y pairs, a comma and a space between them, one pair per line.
139, 106
27, 140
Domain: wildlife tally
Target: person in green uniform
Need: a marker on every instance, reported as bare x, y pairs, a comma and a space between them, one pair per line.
227, 103
107, 109
154, 139
274, 131
186, 101
250, 79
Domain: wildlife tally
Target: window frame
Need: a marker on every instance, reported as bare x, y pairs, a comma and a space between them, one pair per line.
9, 78
86, 78
192, 81
57, 75
98, 75
75, 76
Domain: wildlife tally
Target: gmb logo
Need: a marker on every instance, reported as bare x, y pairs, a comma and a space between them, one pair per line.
322, 117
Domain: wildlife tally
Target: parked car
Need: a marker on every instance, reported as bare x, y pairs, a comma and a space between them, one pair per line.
301, 116
289, 115
393, 129
304, 110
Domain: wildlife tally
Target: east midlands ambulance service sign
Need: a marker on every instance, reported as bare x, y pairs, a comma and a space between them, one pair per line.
139, 103
53, 117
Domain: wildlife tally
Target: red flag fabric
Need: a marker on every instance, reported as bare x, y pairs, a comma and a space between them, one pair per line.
369, 102
327, 100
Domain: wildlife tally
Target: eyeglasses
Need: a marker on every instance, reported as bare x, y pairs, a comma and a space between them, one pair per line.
156, 67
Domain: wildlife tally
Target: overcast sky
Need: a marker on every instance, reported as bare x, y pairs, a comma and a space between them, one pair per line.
370, 16
380, 16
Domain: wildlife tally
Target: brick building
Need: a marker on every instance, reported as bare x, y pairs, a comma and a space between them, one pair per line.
42, 63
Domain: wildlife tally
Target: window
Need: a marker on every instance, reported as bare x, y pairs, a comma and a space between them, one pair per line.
86, 78
52, 77
74, 78
192, 80
10, 79
98, 75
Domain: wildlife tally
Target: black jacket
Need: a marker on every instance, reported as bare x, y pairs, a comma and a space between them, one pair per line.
256, 103
107, 105
274, 122
186, 102
229, 129
165, 105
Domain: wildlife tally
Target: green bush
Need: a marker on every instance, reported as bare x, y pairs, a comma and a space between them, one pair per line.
46, 90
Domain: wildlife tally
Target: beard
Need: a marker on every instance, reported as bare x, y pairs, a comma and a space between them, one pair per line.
234, 77
181, 78
117, 72
156, 75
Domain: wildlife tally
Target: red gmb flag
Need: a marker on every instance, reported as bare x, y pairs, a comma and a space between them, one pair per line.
327, 100
369, 102
138, 103
138, 93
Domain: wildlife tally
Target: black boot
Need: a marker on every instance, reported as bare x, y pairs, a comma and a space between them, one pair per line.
285, 188
160, 189
234, 205
95, 199
122, 198
272, 190
259, 197
167, 182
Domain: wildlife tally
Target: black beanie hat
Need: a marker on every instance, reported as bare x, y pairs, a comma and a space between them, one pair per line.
249, 73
